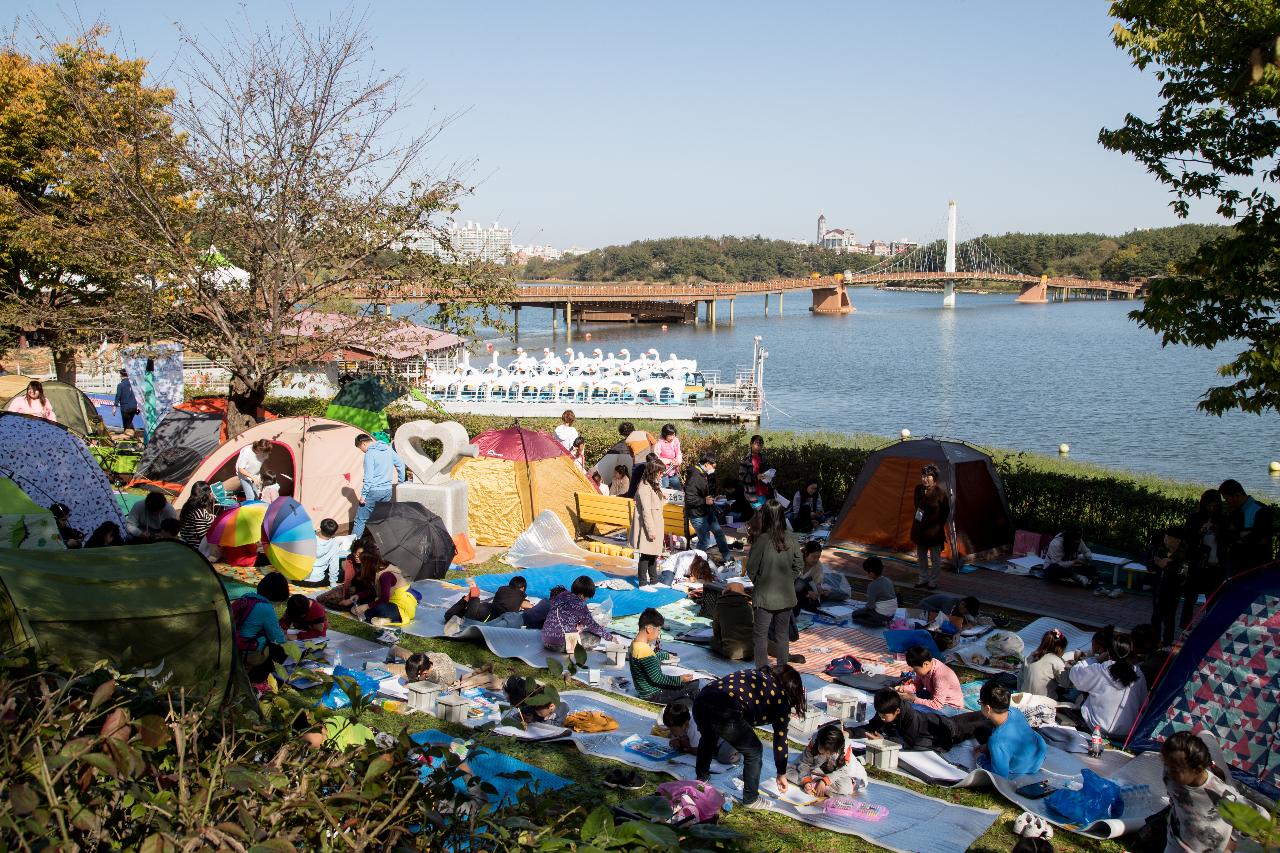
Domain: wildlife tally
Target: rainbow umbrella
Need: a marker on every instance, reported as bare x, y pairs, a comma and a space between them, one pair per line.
239, 526
290, 538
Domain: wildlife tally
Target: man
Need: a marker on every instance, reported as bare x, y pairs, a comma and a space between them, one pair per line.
699, 505
1012, 747
145, 521
125, 403
732, 630
752, 468
383, 468
935, 684
1250, 528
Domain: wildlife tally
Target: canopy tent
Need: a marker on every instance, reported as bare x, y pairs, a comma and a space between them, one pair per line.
142, 606
880, 506
23, 523
413, 539
52, 465
317, 456
72, 408
362, 402
1225, 681
517, 474
181, 441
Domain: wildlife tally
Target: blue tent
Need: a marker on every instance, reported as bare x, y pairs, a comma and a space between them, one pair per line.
1225, 681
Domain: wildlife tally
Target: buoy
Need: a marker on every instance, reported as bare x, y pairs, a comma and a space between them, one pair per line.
664, 327
1064, 448
489, 347
588, 336
1274, 467
906, 433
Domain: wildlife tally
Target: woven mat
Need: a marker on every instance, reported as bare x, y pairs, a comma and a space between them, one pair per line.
821, 644
250, 575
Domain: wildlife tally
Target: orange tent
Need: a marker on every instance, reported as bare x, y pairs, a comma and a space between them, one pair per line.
881, 507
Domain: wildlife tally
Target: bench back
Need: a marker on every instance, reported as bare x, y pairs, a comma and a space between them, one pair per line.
610, 511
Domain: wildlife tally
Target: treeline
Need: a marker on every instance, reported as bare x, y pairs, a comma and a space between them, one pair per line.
1139, 253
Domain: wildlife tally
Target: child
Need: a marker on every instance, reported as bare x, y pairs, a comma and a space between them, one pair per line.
1196, 786
1115, 688
330, 549
827, 767
882, 597
270, 486
1147, 653
1041, 671
569, 613
600, 486
578, 452
71, 537
1170, 566
913, 728
169, 530
305, 615
683, 734
536, 616
518, 692
621, 483
935, 684
509, 603
1013, 748
646, 665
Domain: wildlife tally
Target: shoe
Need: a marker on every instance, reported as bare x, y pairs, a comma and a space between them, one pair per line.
626, 780
758, 804
1084, 581
795, 658
453, 627
1100, 591
921, 585
1115, 593
389, 637
380, 622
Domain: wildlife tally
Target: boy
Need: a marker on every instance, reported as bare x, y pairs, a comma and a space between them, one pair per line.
935, 684
882, 597
536, 616
1012, 747
169, 528
1196, 786
683, 734
646, 665
960, 612
913, 728
509, 603
330, 549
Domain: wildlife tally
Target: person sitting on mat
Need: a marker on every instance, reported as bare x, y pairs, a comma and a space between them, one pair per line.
646, 665
882, 597
683, 735
526, 697
1012, 747
1068, 560
734, 624
1041, 672
1115, 691
901, 721
306, 616
828, 767
536, 616
935, 684
569, 615
962, 612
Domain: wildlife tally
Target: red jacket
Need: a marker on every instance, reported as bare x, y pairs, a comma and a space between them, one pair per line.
314, 624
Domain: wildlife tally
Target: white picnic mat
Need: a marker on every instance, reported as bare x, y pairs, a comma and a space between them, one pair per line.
973, 654
915, 823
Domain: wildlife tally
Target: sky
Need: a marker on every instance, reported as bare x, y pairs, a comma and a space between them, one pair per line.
589, 124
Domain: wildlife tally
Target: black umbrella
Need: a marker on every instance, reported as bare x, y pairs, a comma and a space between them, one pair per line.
413, 539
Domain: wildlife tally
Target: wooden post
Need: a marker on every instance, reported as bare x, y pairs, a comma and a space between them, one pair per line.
568, 321
731, 301
554, 312
779, 303
766, 305
516, 321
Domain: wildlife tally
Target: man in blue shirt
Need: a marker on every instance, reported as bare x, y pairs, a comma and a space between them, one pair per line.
383, 468
126, 403
1013, 748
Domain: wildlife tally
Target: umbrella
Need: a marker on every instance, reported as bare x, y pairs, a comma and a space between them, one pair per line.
412, 538
290, 538
239, 526
361, 402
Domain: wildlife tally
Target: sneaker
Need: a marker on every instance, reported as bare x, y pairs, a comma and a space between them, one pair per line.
626, 780
380, 622
921, 585
1100, 591
795, 658
1115, 593
1084, 581
389, 637
453, 627
758, 804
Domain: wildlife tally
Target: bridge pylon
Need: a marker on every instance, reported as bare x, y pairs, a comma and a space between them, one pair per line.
949, 287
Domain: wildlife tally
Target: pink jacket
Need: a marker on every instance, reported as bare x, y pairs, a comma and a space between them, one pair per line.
940, 685
26, 406
669, 452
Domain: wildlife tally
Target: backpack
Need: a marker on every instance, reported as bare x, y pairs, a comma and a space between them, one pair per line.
692, 802
240, 610
847, 665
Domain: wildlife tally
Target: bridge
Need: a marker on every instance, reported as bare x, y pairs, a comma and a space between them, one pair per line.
939, 265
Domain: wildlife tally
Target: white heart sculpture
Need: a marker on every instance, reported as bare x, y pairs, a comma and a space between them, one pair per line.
454, 441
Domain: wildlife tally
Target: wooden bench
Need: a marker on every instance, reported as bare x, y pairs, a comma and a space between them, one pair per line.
614, 512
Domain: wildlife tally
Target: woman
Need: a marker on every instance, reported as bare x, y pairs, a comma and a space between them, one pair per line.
773, 565
647, 523
1068, 560
389, 601
806, 511
33, 402
1204, 571
668, 450
1116, 690
566, 432
728, 708
197, 514
107, 533
342, 596
259, 637
929, 527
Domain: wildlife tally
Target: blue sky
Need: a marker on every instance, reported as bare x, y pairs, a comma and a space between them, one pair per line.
598, 123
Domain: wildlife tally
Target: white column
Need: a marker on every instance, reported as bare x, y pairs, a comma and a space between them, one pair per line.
949, 287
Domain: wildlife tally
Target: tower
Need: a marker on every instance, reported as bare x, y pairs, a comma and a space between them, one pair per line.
822, 227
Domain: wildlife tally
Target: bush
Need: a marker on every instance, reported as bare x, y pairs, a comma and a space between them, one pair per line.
1118, 510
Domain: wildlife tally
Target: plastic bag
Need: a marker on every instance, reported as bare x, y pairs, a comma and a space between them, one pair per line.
336, 697
1098, 799
696, 801
546, 542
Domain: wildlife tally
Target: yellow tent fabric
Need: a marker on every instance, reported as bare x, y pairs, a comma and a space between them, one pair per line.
494, 508
24, 524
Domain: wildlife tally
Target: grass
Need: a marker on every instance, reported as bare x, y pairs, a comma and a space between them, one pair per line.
765, 830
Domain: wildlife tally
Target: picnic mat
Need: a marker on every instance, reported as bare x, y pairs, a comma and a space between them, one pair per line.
1140, 781
497, 769
915, 823
250, 575
626, 602
973, 653
821, 644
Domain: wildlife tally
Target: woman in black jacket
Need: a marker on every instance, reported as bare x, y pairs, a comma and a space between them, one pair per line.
929, 527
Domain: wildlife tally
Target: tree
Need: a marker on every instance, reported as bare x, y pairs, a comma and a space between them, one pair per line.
49, 287
288, 151
1214, 136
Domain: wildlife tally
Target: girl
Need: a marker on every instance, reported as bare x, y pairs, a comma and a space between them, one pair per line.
600, 486
827, 767
647, 523
107, 533
668, 450
384, 593
621, 483
305, 616
578, 451
1045, 665
270, 486
343, 592
1196, 786
806, 512
33, 402
566, 432
1116, 690
197, 514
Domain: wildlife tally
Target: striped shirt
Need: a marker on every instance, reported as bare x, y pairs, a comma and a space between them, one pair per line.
646, 670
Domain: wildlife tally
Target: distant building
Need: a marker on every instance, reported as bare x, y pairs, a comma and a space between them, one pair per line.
822, 228
899, 246
522, 254
879, 248
471, 242
839, 240
574, 251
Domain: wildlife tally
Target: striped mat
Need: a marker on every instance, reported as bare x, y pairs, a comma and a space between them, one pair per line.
822, 644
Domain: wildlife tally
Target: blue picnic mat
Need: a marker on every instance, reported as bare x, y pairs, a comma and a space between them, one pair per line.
970, 690
539, 583
493, 767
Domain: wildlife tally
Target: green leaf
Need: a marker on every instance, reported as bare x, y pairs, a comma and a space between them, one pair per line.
710, 832
653, 834
1247, 820
156, 843
104, 692
555, 667
293, 651
580, 655
378, 767
102, 762
599, 822
275, 845
23, 800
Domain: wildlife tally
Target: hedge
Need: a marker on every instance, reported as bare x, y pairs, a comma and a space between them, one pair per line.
1118, 510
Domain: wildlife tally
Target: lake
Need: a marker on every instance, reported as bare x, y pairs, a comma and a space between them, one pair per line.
990, 371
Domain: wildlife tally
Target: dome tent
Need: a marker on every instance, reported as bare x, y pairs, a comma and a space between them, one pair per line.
318, 456
880, 506
185, 436
517, 474
25, 524
72, 408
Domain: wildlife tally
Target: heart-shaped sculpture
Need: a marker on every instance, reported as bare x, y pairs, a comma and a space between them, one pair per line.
454, 443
